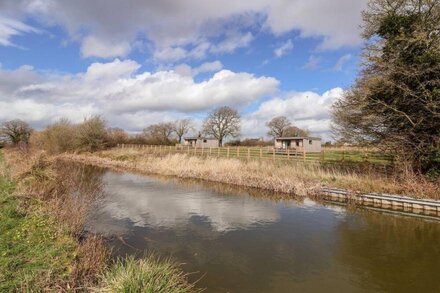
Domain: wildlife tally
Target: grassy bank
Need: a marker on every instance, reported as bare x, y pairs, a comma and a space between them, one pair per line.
39, 243
292, 178
43, 207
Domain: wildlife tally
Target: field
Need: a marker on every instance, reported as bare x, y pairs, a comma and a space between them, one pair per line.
327, 155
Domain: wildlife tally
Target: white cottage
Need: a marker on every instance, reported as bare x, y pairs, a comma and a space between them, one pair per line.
200, 142
307, 144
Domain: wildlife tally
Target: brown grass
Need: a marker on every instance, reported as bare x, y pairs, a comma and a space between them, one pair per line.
291, 178
54, 183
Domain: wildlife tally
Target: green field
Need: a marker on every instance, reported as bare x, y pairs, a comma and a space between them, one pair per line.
327, 155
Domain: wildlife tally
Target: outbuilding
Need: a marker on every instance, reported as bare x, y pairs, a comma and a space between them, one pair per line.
200, 142
300, 144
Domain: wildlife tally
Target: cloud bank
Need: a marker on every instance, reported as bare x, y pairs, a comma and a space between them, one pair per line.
132, 99
176, 29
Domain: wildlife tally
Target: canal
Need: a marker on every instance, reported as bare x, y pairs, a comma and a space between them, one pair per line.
234, 240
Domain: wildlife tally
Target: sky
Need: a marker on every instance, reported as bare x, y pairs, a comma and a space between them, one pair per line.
139, 62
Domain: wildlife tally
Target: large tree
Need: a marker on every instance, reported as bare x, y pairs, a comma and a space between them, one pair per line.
16, 131
182, 127
221, 123
278, 126
160, 133
395, 101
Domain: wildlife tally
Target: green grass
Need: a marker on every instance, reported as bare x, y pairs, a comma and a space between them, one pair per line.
148, 274
34, 253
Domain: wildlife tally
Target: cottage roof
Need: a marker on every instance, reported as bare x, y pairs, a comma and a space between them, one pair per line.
297, 137
200, 137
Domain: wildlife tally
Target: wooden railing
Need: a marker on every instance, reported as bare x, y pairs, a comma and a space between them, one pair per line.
325, 156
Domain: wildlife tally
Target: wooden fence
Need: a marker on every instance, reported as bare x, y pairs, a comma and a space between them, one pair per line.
325, 156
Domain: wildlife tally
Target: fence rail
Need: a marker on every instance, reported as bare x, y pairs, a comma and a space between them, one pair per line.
325, 156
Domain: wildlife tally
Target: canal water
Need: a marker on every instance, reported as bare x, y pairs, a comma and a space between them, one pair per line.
241, 241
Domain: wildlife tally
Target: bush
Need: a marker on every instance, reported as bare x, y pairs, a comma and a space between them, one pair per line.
57, 138
92, 134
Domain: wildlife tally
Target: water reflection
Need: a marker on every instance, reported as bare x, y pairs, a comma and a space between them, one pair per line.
148, 202
240, 241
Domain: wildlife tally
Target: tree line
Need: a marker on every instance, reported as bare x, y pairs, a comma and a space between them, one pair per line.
93, 134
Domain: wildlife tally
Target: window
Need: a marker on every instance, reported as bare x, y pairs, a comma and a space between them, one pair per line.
310, 141
205, 141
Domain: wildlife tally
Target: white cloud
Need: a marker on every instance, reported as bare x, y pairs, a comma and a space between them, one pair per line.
93, 46
283, 49
123, 94
170, 53
176, 24
232, 42
304, 109
10, 27
131, 99
186, 70
341, 62
337, 21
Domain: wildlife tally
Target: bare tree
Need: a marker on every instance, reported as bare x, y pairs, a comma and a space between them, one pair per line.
160, 133
295, 131
16, 131
117, 136
277, 126
221, 123
182, 127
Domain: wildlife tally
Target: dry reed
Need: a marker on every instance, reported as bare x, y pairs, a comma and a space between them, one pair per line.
291, 178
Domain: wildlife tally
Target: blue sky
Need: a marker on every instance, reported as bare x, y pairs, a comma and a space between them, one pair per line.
144, 62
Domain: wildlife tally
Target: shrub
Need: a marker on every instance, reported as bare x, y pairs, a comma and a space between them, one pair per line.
92, 134
57, 138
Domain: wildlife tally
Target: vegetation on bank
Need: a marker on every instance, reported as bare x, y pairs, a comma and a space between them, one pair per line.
43, 207
278, 176
33, 253
40, 229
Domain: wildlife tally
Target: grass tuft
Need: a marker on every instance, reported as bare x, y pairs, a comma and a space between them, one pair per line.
148, 274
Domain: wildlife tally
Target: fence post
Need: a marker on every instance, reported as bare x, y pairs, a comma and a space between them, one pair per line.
343, 156
261, 153
218, 152
288, 153
227, 155
322, 155
202, 150
273, 154
188, 150
238, 151
304, 153
249, 153
210, 151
